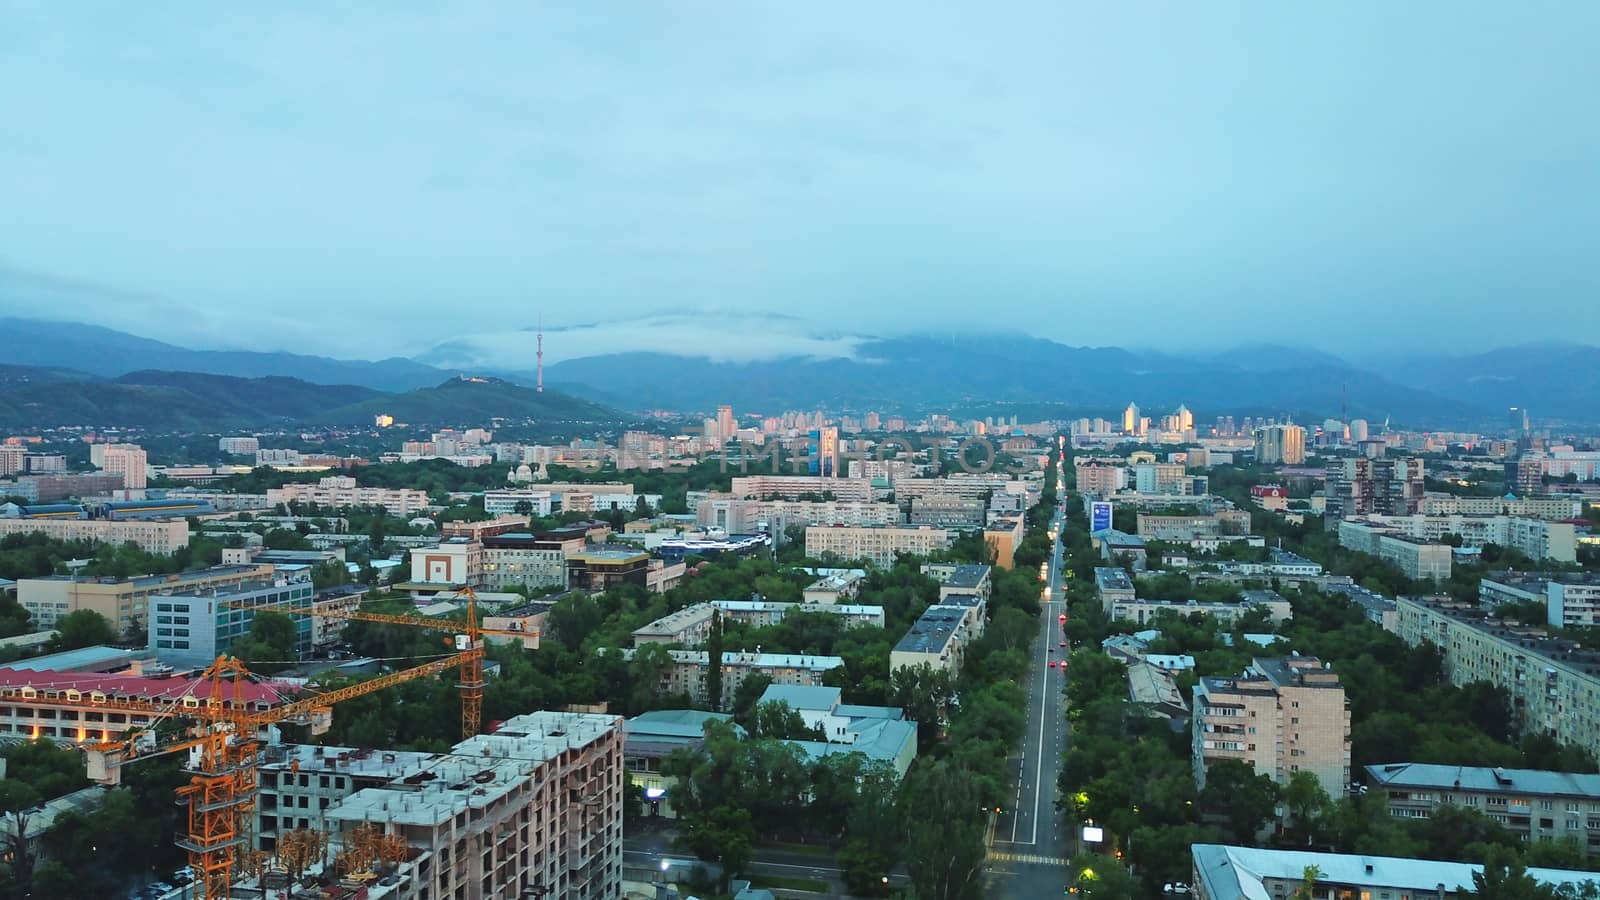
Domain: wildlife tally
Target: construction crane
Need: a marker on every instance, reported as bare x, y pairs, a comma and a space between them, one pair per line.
468, 641
224, 742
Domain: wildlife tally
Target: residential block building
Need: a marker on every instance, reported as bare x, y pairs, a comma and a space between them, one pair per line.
1281, 445
1554, 683
342, 492
1222, 872
152, 536
1362, 486
1188, 527
1145, 610
1416, 557
1113, 585
1281, 716
687, 675
1532, 804
879, 545
801, 487
745, 516
761, 613
299, 782
1573, 599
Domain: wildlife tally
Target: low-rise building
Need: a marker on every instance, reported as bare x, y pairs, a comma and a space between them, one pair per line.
1124, 549
453, 562
1146, 610
1113, 585
687, 675
761, 613
687, 627
1227, 873
521, 559
937, 639
651, 737
961, 578
835, 585
1155, 690
528, 618
1378, 609
191, 628
948, 512
1532, 804
74, 708
882, 734
1152, 526
342, 492
1002, 536
152, 536
601, 569
1281, 716
123, 601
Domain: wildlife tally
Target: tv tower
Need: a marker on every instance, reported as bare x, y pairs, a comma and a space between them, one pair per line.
539, 387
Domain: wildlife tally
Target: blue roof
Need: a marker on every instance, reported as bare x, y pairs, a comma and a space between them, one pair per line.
800, 696
70, 659
672, 723
882, 740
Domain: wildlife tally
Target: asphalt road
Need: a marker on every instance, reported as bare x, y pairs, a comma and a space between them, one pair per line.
1029, 841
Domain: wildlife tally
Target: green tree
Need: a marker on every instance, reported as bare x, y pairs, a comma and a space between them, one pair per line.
714, 661
1308, 883
1234, 791
777, 720
944, 823
724, 836
82, 628
1308, 807
1101, 877
16, 799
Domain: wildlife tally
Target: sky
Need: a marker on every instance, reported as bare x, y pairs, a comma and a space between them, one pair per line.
749, 179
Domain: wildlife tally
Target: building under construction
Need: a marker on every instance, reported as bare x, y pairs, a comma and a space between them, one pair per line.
532, 810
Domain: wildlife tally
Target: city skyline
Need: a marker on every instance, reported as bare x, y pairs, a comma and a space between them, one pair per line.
418, 179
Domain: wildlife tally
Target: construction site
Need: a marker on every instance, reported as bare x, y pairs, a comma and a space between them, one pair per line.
532, 810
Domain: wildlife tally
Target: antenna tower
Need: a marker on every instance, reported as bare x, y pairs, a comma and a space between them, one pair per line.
539, 387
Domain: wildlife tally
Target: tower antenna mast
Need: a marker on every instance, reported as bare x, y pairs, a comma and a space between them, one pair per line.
539, 387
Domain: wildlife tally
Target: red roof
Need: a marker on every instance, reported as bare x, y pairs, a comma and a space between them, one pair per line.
134, 686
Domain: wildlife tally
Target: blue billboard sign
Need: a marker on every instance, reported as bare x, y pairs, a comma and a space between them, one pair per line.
1099, 517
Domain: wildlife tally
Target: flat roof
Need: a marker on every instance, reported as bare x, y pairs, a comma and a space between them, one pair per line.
966, 575
1112, 577
365, 763
1240, 871
71, 659
677, 621
1485, 779
932, 632
800, 696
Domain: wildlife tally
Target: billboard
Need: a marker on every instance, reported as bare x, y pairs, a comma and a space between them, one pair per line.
1099, 516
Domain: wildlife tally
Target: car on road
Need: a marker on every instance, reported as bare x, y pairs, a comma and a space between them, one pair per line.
1062, 644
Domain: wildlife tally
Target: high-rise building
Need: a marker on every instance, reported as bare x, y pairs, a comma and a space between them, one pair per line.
124, 460
725, 424
1362, 486
1185, 418
824, 452
1281, 445
1517, 419
11, 459
1358, 430
1130, 419
1281, 716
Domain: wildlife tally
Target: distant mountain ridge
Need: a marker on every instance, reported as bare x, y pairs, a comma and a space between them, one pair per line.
109, 354
201, 401
928, 372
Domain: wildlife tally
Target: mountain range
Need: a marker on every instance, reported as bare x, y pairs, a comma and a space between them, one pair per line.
54, 372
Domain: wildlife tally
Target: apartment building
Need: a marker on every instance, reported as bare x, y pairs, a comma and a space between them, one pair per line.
687, 674
1162, 478
341, 492
961, 578
1002, 536
124, 602
1360, 486
1554, 509
519, 501
972, 486
1378, 609
1416, 557
1188, 527
834, 585
189, 628
687, 627
1573, 599
761, 613
1282, 715
743, 516
1536, 538
50, 488
126, 461
1532, 804
299, 782
800, 487
1099, 477
1222, 872
1554, 683
1144, 611
948, 512
1113, 585
1281, 445
150, 535
878, 545
534, 809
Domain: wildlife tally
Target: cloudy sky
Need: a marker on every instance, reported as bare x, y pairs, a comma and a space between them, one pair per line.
759, 177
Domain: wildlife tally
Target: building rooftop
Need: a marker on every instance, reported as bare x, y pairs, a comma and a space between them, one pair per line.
1112, 578
1150, 684
754, 660
881, 740
932, 632
82, 802
674, 622
1369, 600
1115, 538
1484, 779
364, 763
966, 576
1262, 597
1535, 641
608, 555
800, 696
177, 580
72, 660
1240, 871
135, 686
965, 601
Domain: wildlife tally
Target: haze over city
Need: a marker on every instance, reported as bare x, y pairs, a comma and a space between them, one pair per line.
1112, 175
